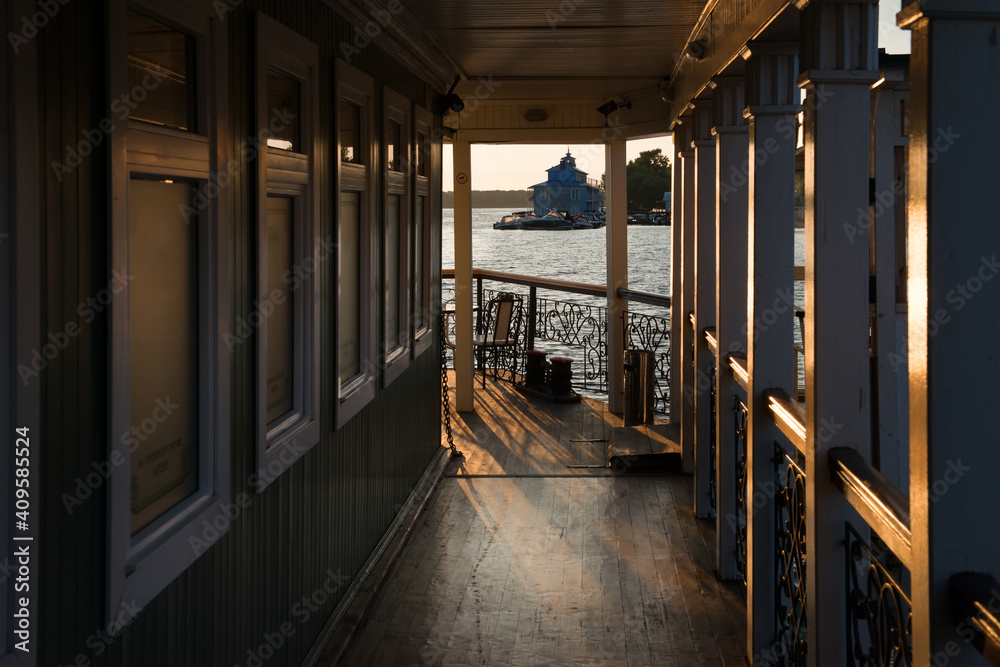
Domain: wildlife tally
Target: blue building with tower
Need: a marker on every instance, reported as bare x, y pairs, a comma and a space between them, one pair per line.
567, 189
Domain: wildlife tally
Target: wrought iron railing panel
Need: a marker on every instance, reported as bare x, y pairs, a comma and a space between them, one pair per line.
790, 534
584, 327
740, 415
713, 472
649, 332
581, 326
879, 615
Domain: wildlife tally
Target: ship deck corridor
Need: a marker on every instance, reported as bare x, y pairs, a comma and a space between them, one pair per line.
518, 559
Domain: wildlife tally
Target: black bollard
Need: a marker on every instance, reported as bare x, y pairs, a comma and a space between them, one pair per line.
562, 373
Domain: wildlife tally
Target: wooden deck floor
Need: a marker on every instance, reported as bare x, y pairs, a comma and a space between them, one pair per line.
520, 560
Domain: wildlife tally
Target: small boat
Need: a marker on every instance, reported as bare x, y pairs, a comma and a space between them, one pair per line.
553, 220
508, 222
581, 221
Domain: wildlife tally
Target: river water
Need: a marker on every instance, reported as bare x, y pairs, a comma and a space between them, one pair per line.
577, 255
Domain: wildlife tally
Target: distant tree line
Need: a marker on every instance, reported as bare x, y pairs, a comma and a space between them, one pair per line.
512, 199
647, 178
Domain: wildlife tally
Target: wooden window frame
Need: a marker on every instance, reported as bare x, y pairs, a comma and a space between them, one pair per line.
289, 174
140, 566
396, 183
422, 328
357, 88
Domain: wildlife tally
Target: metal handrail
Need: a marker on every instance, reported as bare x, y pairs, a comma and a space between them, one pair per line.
738, 364
589, 289
976, 597
876, 499
789, 416
649, 298
712, 340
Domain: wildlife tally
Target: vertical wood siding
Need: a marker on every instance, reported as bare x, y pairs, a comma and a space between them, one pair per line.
332, 507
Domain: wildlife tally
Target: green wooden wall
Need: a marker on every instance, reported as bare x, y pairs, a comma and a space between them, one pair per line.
325, 514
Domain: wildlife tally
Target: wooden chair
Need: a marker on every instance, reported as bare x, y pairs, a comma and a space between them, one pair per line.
500, 337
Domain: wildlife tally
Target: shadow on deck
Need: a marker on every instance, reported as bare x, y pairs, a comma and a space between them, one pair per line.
518, 559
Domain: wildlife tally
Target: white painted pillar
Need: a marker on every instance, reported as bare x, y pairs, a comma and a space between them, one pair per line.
887, 141
954, 313
732, 146
680, 133
687, 305
616, 229
704, 297
462, 157
838, 82
772, 103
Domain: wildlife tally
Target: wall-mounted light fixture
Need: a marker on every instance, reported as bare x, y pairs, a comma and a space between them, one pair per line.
536, 115
451, 101
611, 106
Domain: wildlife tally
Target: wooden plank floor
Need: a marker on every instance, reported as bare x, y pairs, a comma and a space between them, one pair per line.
520, 560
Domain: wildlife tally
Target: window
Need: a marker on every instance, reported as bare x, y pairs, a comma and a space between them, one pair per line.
420, 283
169, 385
574, 194
288, 250
354, 291
396, 253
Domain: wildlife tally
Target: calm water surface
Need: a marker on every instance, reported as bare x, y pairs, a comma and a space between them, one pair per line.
578, 254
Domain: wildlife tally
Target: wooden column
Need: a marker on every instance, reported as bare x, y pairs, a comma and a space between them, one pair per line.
680, 134
838, 67
954, 313
772, 103
888, 145
703, 144
732, 146
686, 341
463, 277
616, 229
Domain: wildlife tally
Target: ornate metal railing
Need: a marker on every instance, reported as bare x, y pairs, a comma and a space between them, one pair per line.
880, 618
577, 325
580, 329
790, 576
740, 415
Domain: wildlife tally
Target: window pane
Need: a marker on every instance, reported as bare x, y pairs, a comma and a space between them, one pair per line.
418, 265
392, 257
161, 67
421, 154
394, 147
280, 323
282, 112
350, 133
162, 349
350, 285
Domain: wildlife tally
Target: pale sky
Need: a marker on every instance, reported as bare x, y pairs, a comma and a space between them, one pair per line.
516, 166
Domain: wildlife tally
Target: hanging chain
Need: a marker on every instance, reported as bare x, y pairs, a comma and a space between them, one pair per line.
445, 400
